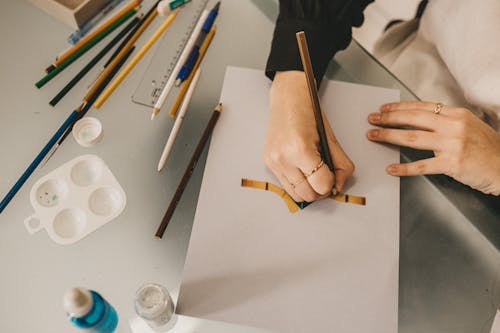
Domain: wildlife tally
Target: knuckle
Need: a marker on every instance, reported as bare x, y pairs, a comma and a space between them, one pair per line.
411, 136
274, 158
310, 197
418, 105
460, 126
403, 170
455, 165
299, 148
324, 187
385, 117
349, 168
420, 168
462, 112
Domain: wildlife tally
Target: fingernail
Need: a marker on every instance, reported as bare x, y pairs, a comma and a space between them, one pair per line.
385, 107
374, 117
373, 133
392, 169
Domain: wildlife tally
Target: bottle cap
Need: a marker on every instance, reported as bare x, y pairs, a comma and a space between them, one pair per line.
154, 304
163, 8
77, 302
87, 131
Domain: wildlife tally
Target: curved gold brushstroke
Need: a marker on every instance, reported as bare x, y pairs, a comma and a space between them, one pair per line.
347, 198
292, 205
266, 186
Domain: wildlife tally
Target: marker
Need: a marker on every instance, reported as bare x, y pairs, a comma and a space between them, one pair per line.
195, 52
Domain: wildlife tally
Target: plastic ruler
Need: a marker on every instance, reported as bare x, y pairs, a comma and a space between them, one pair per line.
167, 53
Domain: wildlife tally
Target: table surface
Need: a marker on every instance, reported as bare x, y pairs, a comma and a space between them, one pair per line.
450, 235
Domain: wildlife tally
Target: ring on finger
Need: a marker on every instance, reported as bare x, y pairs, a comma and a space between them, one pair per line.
294, 184
438, 108
316, 168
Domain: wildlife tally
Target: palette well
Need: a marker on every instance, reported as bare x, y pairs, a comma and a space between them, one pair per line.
75, 199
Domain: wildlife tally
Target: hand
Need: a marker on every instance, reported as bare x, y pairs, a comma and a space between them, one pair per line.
291, 148
465, 148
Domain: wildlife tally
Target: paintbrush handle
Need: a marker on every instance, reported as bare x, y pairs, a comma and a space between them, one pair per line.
37, 160
189, 171
313, 92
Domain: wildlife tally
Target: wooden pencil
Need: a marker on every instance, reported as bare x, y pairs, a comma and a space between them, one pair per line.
116, 82
189, 171
145, 22
132, 5
84, 49
313, 93
93, 62
187, 83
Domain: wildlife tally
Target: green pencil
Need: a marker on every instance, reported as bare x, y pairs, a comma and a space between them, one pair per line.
84, 49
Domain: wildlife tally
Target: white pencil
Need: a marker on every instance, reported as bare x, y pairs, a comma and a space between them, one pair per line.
178, 121
182, 59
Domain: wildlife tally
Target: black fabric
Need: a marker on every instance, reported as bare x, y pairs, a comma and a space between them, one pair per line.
327, 24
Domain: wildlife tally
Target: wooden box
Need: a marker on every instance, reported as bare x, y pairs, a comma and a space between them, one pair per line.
71, 12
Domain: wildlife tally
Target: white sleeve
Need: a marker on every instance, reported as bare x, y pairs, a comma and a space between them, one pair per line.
466, 34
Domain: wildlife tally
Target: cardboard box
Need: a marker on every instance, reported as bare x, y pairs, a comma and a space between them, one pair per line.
73, 13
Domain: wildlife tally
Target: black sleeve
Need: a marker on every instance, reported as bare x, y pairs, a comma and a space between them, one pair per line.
327, 24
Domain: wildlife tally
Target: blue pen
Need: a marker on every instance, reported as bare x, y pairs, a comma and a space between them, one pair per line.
195, 52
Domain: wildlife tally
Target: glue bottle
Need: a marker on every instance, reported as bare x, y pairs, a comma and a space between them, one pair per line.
89, 311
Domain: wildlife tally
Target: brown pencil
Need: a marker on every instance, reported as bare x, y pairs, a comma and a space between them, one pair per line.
189, 171
313, 92
137, 32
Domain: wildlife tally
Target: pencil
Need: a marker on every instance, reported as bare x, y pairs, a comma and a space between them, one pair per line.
109, 90
185, 85
313, 93
185, 53
189, 171
132, 5
93, 62
178, 121
84, 49
137, 32
144, 17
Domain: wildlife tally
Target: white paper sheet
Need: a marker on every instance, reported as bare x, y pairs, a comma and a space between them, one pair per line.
331, 267
496, 323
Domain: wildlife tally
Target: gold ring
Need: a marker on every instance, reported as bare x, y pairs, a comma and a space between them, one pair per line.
438, 108
297, 183
315, 169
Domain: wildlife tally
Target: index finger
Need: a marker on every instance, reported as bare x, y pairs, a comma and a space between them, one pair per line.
413, 105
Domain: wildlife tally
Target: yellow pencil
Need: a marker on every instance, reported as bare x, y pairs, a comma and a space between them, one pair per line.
120, 55
109, 90
187, 83
95, 32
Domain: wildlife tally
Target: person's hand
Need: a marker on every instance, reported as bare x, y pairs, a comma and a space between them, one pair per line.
291, 149
465, 148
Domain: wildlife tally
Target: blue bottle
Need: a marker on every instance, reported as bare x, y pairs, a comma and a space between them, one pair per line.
90, 311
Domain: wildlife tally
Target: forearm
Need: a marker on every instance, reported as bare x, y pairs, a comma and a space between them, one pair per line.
327, 24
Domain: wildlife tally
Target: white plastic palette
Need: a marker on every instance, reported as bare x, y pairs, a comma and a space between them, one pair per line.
75, 199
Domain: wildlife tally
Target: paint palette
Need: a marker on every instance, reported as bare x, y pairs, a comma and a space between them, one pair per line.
75, 199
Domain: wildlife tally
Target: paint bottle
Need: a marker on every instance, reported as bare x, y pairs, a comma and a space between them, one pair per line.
155, 306
89, 311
